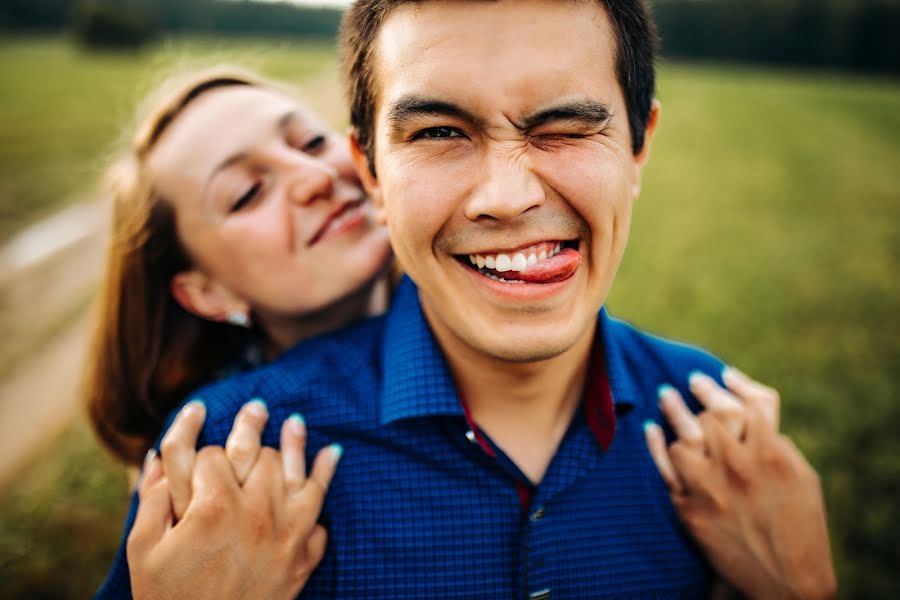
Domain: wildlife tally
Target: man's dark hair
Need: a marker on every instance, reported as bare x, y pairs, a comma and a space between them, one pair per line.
636, 46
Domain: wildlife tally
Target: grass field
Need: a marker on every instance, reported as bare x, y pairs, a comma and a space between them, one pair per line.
62, 108
767, 232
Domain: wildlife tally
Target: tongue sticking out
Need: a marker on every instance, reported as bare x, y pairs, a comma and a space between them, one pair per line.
559, 268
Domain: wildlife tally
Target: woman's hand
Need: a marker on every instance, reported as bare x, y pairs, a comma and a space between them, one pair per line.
238, 522
744, 492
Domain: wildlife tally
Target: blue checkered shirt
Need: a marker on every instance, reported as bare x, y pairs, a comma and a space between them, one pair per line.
419, 510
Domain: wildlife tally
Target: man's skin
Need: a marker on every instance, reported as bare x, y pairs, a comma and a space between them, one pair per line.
500, 126
538, 150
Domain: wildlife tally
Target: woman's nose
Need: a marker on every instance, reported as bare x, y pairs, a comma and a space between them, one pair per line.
309, 180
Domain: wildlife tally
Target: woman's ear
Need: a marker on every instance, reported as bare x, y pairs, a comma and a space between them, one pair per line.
366, 172
201, 296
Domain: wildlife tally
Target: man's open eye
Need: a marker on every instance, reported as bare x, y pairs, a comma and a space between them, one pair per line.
247, 197
437, 133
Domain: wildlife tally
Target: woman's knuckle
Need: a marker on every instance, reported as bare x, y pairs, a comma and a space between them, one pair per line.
257, 524
170, 444
239, 451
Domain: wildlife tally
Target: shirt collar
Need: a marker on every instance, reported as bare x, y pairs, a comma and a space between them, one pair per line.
623, 387
417, 381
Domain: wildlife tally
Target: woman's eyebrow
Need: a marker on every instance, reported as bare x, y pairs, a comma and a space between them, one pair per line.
286, 119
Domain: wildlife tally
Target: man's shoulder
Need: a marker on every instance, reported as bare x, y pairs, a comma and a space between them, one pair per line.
647, 360
319, 378
665, 352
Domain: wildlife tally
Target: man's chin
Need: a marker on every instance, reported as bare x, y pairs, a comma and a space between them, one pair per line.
526, 348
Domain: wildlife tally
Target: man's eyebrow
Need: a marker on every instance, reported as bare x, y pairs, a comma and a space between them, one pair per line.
409, 107
589, 112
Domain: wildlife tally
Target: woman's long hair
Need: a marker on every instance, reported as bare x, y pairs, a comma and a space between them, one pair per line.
147, 351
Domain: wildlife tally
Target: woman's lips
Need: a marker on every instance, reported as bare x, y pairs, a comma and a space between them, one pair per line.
344, 219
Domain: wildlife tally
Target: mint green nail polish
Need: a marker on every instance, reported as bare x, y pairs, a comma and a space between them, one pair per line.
194, 405
257, 407
296, 424
648, 424
338, 450
695, 376
148, 458
664, 390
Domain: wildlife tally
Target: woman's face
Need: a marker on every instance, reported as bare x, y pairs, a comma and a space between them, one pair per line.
267, 204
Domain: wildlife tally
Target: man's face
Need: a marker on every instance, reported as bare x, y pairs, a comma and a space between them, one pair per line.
505, 170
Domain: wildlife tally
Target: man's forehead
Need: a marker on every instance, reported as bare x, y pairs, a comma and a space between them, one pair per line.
449, 49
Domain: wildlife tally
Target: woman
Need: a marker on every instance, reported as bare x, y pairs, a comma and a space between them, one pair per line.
239, 228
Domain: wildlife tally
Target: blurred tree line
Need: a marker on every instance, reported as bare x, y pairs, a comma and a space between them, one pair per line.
134, 22
857, 34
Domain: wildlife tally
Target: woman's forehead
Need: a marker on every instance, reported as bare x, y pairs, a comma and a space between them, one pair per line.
219, 124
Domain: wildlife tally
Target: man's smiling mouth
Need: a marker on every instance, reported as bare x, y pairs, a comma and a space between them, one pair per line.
545, 262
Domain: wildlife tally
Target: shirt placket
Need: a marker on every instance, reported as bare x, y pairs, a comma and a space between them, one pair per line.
577, 455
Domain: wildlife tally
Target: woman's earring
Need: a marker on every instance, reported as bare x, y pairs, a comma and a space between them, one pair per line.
239, 318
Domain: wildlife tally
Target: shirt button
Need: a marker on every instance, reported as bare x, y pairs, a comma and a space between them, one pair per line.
470, 435
540, 595
537, 515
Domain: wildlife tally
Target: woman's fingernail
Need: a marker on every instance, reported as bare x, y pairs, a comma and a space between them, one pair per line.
338, 451
696, 377
195, 406
257, 408
148, 458
297, 424
648, 425
664, 391
729, 373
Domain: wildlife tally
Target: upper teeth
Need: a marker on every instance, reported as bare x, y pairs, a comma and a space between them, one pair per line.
520, 261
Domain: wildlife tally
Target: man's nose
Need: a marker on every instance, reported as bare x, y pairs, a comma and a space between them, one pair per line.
509, 188
309, 179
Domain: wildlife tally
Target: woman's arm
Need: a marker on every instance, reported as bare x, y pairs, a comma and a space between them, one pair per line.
745, 492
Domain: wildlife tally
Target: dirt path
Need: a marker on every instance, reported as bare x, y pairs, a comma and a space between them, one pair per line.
40, 398
48, 276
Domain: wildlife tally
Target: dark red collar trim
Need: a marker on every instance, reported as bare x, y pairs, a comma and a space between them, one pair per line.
598, 400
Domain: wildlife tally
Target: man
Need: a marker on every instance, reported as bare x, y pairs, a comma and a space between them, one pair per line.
492, 422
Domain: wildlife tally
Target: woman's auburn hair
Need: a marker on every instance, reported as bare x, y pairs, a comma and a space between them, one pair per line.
147, 352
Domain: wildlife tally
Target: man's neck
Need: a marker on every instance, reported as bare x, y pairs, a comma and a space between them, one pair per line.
524, 407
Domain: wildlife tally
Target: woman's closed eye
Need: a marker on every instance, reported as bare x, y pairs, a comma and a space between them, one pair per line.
247, 197
315, 145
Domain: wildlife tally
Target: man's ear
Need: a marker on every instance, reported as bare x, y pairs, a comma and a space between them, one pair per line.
641, 158
366, 172
200, 295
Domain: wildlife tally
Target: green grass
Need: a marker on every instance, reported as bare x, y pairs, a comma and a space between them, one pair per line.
767, 231
62, 108
60, 522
